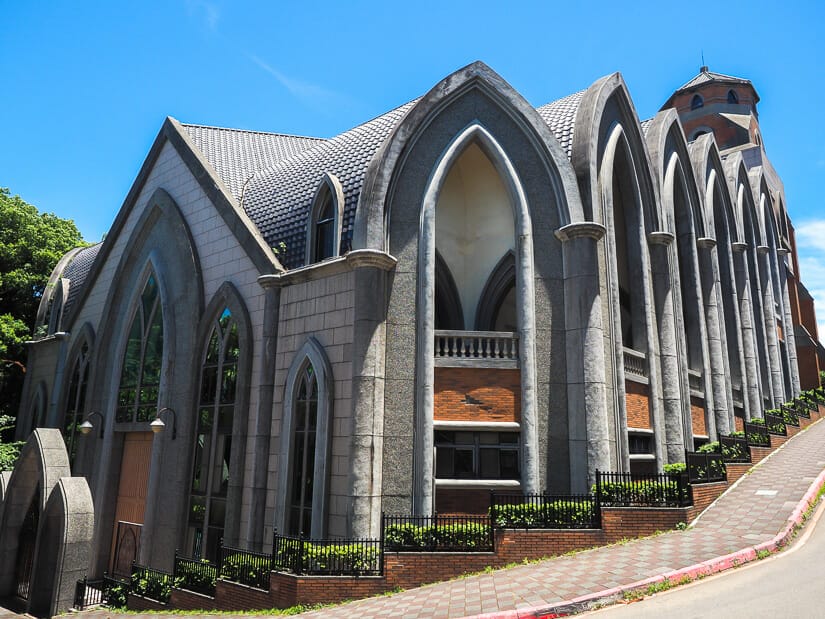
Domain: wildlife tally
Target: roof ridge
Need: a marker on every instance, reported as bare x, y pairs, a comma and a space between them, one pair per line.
255, 131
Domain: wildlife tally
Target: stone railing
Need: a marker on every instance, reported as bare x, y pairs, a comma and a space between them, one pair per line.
476, 348
635, 363
737, 395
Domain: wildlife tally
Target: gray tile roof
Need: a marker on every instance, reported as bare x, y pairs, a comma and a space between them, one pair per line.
278, 199
645, 125
76, 272
237, 154
560, 115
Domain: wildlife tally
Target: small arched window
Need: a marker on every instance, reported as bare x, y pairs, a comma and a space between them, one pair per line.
140, 376
76, 401
733, 98
324, 232
696, 102
213, 439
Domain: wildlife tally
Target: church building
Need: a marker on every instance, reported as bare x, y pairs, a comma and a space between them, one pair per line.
466, 294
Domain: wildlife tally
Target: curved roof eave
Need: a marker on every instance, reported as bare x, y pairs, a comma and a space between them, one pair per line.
587, 143
369, 225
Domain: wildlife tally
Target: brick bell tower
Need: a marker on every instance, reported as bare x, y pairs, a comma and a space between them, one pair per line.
719, 104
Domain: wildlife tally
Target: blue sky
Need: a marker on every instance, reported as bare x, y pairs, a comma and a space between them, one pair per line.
88, 84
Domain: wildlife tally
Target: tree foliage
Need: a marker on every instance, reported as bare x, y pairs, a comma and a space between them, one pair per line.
31, 243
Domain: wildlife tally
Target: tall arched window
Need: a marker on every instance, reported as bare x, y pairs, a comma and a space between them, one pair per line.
76, 401
305, 425
140, 376
213, 438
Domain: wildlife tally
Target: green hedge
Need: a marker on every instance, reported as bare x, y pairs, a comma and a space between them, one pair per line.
339, 558
553, 515
639, 492
468, 536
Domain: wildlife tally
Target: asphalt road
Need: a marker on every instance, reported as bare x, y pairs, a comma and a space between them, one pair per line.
790, 584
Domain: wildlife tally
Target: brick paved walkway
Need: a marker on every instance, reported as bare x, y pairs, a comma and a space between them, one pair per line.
752, 512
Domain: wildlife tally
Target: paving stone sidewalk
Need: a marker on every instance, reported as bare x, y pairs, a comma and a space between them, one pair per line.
754, 511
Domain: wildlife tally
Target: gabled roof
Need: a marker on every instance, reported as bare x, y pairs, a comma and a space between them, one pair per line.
237, 154
560, 116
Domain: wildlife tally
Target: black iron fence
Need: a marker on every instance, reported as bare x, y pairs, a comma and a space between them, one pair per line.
734, 449
635, 490
151, 583
704, 468
297, 555
757, 434
804, 407
198, 575
245, 567
545, 511
789, 415
107, 590
775, 424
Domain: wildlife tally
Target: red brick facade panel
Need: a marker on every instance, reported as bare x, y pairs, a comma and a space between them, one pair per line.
477, 394
461, 501
637, 405
697, 416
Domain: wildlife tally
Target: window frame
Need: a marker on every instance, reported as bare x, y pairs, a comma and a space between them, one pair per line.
329, 190
476, 447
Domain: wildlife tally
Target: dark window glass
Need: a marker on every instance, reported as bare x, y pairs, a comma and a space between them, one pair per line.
325, 231
305, 417
696, 102
640, 444
213, 447
476, 455
733, 98
76, 402
140, 375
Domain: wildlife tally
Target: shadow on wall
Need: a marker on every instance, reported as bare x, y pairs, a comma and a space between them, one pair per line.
46, 527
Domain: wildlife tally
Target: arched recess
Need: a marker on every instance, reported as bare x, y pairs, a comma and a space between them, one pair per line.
612, 163
474, 135
303, 482
448, 312
325, 220
389, 217
73, 402
52, 287
688, 329
496, 305
55, 312
38, 407
221, 405
42, 462
159, 242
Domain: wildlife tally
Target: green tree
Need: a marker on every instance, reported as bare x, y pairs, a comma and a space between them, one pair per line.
31, 243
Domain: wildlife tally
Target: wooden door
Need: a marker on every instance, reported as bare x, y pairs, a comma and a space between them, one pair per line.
131, 498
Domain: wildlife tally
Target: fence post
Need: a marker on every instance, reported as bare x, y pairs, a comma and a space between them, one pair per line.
300, 569
274, 542
599, 489
492, 511
175, 566
219, 567
381, 546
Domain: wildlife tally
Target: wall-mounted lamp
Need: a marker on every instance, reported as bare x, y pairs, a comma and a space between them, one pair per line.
87, 426
157, 424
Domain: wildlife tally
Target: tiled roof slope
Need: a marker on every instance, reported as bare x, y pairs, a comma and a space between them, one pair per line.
76, 272
705, 76
278, 199
560, 115
237, 154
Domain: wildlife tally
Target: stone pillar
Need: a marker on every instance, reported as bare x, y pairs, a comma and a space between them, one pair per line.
675, 393
587, 408
719, 378
769, 310
790, 336
751, 383
261, 435
368, 372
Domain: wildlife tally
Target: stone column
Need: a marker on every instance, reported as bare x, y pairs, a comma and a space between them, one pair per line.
587, 407
752, 385
769, 310
790, 336
368, 372
675, 393
260, 436
719, 379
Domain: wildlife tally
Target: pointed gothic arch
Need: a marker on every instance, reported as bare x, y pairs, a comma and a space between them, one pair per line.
303, 481
325, 220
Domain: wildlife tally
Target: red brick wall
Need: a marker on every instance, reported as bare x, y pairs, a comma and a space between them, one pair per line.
697, 416
739, 423
462, 501
477, 394
637, 405
735, 471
